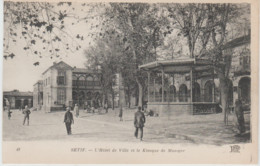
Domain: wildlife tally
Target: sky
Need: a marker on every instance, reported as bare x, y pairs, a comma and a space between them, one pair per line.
20, 73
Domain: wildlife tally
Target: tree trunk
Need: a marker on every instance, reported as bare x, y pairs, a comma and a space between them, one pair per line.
129, 102
140, 94
113, 101
224, 96
103, 99
128, 96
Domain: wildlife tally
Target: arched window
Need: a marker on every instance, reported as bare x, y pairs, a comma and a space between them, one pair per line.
244, 90
208, 91
81, 98
81, 81
183, 93
165, 95
90, 80
196, 92
172, 94
89, 96
96, 80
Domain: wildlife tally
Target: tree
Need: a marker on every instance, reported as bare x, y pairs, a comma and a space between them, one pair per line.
207, 29
139, 27
128, 82
104, 59
43, 27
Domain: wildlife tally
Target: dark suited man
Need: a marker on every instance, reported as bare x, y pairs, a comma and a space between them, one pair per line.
139, 123
68, 119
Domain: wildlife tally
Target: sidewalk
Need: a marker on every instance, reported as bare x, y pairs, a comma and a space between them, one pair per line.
198, 129
202, 129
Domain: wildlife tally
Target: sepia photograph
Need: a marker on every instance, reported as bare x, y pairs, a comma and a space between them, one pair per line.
130, 82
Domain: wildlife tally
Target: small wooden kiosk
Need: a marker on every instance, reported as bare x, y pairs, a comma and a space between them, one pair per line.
188, 75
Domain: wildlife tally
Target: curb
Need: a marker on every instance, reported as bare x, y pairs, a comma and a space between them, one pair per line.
200, 140
196, 139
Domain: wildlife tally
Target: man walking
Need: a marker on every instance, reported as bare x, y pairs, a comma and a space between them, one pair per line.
139, 123
26, 113
76, 109
68, 119
9, 114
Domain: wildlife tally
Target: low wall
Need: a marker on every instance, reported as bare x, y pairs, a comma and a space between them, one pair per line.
57, 109
182, 108
172, 109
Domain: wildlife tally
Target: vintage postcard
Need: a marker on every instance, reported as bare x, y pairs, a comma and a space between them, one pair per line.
130, 82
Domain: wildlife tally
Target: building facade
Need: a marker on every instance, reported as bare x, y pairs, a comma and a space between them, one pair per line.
38, 94
63, 85
17, 99
86, 90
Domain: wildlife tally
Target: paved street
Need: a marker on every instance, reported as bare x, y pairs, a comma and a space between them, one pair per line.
199, 129
91, 127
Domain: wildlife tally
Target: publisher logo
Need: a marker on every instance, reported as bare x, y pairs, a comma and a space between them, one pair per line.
235, 149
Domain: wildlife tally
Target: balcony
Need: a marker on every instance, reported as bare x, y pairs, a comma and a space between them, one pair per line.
83, 83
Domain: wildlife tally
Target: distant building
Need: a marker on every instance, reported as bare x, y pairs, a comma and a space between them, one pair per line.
38, 94
18, 99
63, 85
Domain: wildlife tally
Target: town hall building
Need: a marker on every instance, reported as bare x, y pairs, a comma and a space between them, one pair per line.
62, 85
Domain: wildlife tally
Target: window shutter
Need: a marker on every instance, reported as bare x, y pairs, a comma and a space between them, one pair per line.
65, 96
58, 96
64, 77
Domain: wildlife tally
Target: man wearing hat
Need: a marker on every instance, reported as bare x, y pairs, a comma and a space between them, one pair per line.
26, 113
139, 123
68, 119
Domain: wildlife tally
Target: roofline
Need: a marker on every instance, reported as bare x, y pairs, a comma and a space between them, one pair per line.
47, 69
168, 62
55, 65
7, 93
246, 39
37, 82
86, 71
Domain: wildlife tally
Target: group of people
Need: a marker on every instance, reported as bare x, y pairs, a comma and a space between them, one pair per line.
139, 120
26, 113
